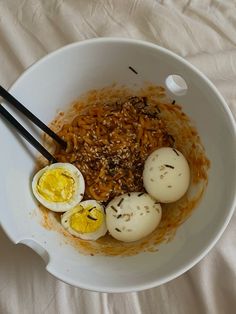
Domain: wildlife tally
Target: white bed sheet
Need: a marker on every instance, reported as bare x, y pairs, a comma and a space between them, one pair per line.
203, 32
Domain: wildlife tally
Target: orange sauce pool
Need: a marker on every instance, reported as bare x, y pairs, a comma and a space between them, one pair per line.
187, 141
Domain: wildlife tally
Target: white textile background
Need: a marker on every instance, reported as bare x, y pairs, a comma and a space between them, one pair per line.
203, 32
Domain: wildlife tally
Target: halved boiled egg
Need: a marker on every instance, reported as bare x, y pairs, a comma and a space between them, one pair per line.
86, 220
59, 187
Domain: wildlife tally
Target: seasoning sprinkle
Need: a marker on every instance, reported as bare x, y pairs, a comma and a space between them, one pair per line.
169, 186
128, 194
152, 180
173, 102
120, 202
81, 194
92, 208
169, 166
140, 194
133, 70
118, 216
172, 138
117, 229
150, 129
92, 218
175, 151
114, 208
145, 100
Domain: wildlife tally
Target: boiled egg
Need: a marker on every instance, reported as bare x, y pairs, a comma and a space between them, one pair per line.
131, 217
86, 220
59, 187
166, 175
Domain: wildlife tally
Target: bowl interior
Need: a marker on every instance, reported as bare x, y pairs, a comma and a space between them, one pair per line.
52, 84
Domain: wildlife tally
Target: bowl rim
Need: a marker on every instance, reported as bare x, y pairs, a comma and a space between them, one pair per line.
210, 243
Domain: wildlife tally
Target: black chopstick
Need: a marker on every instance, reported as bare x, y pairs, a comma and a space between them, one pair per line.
26, 134
13, 101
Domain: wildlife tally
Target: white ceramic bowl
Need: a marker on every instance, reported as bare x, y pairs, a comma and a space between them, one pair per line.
61, 77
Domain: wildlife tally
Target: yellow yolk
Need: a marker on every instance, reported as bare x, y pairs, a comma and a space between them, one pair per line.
56, 185
85, 221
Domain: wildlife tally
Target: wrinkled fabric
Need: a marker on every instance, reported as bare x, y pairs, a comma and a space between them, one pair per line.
203, 32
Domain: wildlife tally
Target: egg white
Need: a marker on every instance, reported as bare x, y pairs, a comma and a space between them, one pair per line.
65, 221
133, 216
77, 195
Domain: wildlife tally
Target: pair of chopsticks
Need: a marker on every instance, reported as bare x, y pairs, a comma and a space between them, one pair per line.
10, 119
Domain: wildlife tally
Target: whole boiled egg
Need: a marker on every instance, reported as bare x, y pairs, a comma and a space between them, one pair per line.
133, 216
166, 175
59, 187
86, 220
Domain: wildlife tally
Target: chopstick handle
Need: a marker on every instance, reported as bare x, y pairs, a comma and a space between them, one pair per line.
26, 134
13, 101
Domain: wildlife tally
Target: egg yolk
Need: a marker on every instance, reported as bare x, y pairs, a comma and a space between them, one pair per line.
56, 185
86, 220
